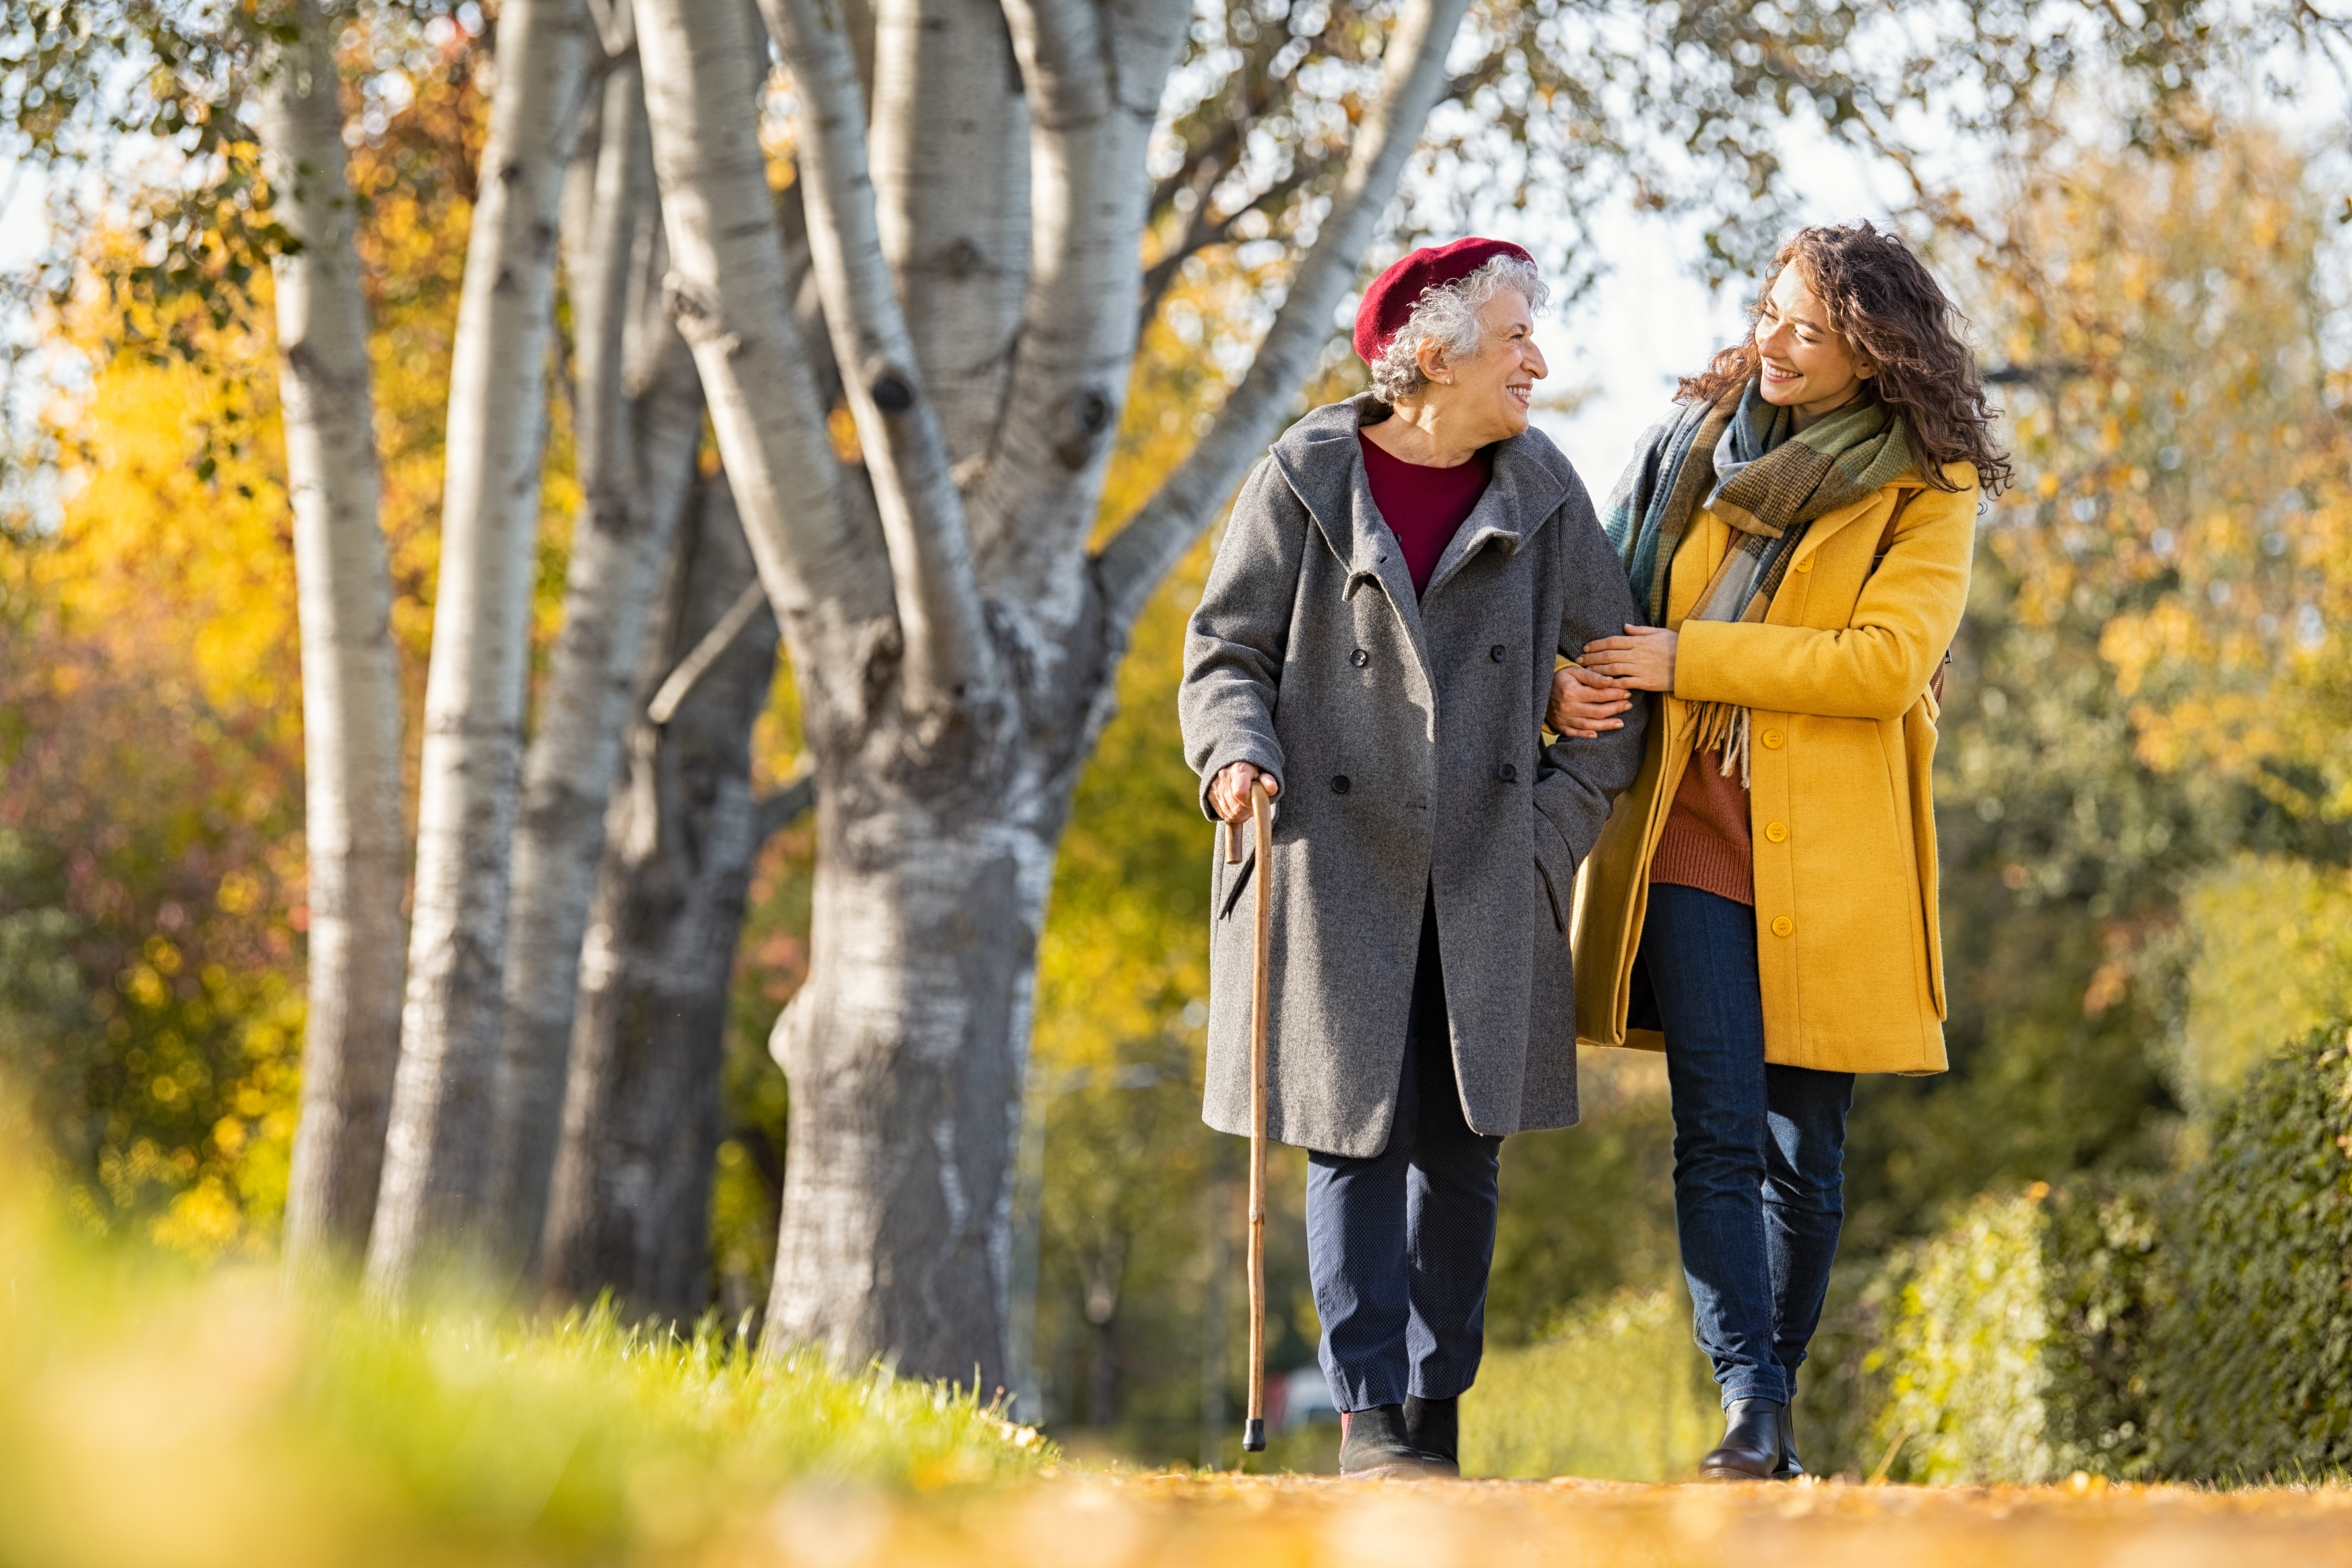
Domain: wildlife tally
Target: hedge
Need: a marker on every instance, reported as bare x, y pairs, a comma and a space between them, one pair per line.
2199, 1330
2014, 1351
2254, 1354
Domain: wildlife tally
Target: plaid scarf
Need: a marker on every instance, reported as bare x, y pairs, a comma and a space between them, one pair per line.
1743, 460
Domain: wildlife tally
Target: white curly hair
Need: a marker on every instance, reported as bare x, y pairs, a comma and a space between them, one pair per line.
1448, 316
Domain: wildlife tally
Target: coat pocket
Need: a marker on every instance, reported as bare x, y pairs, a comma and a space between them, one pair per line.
1558, 874
1235, 879
1551, 895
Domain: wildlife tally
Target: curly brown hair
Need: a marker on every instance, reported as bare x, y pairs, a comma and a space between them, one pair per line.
1882, 300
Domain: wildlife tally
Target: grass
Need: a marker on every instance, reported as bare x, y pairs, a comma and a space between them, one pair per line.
1616, 1392
155, 1414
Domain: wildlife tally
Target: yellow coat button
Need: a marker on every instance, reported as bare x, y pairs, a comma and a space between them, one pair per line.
1772, 740
1783, 926
1775, 831
1806, 564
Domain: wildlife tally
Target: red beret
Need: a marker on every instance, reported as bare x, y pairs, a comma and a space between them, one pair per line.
1387, 303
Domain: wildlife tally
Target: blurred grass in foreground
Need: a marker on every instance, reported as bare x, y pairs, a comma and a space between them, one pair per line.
1617, 1392
155, 1414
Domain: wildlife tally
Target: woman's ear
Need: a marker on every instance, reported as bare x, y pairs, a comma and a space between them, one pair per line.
1431, 356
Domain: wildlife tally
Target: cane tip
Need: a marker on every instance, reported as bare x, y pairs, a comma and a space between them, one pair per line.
1254, 1436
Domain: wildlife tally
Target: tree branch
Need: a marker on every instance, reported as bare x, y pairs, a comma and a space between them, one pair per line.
1203, 232
731, 291
949, 147
696, 663
1095, 75
1152, 541
922, 515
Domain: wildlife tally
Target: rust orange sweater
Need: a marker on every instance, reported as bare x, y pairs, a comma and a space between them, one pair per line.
1707, 842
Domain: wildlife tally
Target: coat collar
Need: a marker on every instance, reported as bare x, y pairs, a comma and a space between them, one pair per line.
1321, 459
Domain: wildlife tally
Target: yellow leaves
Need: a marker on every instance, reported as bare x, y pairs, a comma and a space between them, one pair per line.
240, 894
175, 527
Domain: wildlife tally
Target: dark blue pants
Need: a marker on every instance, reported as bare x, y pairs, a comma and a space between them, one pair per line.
1760, 1149
1397, 1244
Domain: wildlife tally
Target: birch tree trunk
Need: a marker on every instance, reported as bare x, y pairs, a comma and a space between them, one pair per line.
631, 1208
351, 685
638, 427
436, 1150
952, 188
956, 669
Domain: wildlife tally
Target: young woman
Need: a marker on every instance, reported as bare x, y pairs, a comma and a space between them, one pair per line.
1762, 903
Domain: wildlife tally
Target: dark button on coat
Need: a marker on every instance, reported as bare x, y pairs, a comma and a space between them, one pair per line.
1303, 580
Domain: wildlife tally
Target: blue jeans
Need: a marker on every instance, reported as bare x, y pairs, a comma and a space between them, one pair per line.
1759, 1148
1399, 1245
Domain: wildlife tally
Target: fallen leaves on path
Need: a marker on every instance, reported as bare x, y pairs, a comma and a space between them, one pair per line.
1109, 1521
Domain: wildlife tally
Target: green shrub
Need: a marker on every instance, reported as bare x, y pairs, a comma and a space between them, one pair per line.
2012, 1346
2202, 1332
2254, 1358
1617, 1392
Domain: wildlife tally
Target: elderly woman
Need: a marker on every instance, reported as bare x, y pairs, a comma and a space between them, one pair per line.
1762, 906
1376, 641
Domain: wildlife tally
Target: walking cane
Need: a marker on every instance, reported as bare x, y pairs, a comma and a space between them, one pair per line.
1262, 821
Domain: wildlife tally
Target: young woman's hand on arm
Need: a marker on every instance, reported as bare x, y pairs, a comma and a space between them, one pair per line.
1641, 660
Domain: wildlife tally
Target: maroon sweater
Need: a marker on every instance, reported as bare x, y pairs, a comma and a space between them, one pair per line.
1423, 506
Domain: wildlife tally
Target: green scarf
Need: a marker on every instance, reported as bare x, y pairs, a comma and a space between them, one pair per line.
1743, 460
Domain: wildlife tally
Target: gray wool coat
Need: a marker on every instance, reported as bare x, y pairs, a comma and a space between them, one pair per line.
1406, 733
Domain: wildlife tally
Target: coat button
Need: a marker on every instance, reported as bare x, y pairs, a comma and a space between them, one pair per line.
1783, 926
1775, 831
1508, 773
1340, 784
1772, 740
1495, 653
1359, 658
1806, 564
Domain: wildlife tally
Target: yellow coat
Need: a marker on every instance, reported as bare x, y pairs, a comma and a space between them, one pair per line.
1844, 738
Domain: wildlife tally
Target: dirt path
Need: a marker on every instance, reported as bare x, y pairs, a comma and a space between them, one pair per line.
1109, 1522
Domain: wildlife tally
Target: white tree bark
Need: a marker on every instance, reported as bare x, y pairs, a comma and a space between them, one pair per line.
351, 683
1095, 75
822, 563
947, 654
638, 425
952, 192
436, 1152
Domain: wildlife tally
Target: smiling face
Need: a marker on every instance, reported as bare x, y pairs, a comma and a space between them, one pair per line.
1804, 365
1484, 397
